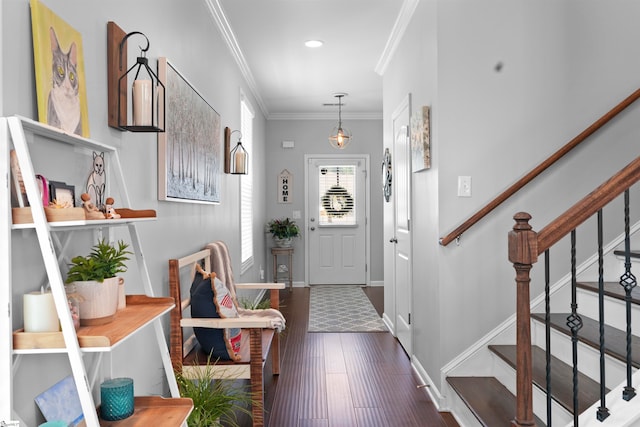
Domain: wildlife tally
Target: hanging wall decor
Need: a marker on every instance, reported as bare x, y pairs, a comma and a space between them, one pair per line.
386, 175
59, 70
190, 159
420, 139
285, 187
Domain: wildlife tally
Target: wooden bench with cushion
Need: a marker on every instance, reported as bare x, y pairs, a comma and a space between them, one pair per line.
258, 336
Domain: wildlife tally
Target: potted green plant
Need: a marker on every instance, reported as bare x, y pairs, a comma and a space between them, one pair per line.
216, 402
283, 231
95, 282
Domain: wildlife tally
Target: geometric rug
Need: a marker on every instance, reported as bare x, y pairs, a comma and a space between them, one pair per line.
341, 308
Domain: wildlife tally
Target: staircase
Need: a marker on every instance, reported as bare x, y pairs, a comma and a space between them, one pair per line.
490, 401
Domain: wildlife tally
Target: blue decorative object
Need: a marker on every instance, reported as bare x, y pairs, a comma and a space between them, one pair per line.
117, 399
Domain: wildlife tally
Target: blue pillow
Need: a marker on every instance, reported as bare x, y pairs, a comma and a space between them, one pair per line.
210, 299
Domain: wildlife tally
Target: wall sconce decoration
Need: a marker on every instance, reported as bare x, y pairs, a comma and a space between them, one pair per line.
340, 137
236, 160
144, 111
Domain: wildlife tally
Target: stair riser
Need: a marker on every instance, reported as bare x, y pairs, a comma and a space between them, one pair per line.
507, 376
588, 357
615, 311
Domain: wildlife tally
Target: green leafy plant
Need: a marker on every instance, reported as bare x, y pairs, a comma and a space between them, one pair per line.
216, 402
283, 228
103, 262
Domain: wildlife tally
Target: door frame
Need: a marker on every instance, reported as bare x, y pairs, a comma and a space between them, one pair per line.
308, 158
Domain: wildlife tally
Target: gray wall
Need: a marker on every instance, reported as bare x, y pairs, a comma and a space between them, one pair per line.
185, 33
564, 65
311, 137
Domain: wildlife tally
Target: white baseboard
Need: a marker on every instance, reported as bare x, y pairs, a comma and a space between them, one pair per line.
377, 283
389, 324
434, 393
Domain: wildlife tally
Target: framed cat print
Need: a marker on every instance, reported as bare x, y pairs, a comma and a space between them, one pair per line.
59, 69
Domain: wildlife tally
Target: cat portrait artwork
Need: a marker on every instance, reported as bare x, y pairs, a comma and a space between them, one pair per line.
96, 181
59, 70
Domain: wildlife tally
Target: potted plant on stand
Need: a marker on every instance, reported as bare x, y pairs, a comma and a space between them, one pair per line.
96, 283
283, 231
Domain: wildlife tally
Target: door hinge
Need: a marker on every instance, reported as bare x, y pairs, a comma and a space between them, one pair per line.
409, 318
366, 268
409, 224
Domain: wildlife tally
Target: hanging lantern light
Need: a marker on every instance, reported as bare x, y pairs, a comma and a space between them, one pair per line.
340, 137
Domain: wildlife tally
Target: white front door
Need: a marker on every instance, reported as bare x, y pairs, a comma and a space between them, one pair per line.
336, 220
402, 221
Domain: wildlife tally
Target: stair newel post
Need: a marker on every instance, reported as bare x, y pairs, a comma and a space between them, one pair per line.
523, 253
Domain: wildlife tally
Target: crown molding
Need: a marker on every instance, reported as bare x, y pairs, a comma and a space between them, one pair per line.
221, 21
399, 28
325, 116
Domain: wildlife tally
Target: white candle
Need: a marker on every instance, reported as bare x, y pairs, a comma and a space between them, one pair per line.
240, 158
159, 107
142, 103
40, 312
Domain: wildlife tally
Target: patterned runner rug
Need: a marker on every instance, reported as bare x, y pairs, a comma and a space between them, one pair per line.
341, 308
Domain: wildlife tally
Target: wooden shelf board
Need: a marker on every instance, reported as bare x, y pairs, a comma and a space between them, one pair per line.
140, 311
155, 411
88, 223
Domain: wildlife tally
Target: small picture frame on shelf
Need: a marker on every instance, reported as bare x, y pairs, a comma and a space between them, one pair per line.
62, 193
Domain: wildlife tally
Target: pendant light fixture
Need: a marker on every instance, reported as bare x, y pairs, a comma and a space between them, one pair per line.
340, 137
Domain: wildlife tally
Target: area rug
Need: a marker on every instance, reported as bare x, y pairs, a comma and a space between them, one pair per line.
341, 308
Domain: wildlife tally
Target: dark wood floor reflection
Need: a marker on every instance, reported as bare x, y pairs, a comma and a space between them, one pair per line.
344, 379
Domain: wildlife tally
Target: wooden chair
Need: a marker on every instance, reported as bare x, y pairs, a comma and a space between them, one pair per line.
258, 338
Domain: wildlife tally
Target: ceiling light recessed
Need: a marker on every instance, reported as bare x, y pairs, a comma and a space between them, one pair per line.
313, 43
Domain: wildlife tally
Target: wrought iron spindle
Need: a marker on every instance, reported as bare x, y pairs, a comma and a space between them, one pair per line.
628, 282
547, 327
603, 412
574, 322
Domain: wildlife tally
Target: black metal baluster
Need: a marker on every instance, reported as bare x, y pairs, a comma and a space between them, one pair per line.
628, 282
603, 412
574, 322
547, 327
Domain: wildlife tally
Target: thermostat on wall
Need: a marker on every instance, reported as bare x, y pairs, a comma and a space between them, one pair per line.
288, 144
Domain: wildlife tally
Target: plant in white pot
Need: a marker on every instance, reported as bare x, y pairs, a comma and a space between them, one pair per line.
283, 231
96, 283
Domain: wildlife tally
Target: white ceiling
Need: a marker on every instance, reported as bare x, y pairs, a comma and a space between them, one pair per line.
290, 80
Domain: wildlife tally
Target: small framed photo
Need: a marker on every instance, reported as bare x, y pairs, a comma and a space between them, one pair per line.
62, 193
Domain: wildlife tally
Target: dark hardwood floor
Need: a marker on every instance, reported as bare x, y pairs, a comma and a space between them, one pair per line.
344, 379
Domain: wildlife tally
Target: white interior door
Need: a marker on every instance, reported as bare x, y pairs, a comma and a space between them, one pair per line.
402, 224
336, 225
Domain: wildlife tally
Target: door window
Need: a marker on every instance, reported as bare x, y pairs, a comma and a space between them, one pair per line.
337, 191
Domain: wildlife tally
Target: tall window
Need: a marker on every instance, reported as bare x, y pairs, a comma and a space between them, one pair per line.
246, 186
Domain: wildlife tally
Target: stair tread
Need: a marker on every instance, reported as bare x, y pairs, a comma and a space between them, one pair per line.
561, 377
611, 289
634, 253
615, 339
490, 401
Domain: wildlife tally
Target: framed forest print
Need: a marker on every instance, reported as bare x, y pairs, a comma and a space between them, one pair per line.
190, 148
59, 70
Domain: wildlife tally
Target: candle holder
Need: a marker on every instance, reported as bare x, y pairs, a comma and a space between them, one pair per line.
236, 160
117, 399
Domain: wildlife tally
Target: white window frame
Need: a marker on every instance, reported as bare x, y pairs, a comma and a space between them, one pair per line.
246, 186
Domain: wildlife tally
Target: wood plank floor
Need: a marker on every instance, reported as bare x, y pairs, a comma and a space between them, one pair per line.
344, 379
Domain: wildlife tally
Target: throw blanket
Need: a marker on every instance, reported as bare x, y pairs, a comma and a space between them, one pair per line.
276, 318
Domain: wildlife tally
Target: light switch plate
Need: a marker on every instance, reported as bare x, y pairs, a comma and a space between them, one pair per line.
464, 186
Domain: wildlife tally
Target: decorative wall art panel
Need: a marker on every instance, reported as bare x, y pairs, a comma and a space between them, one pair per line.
420, 139
190, 150
59, 70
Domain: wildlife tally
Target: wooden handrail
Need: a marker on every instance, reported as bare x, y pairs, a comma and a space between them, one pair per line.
589, 205
444, 241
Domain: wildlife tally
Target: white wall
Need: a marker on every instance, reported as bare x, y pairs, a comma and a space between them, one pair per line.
186, 34
563, 65
311, 137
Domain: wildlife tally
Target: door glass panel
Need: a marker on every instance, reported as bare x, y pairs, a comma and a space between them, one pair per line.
337, 190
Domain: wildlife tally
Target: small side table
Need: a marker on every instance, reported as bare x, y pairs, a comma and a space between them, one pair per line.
283, 251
